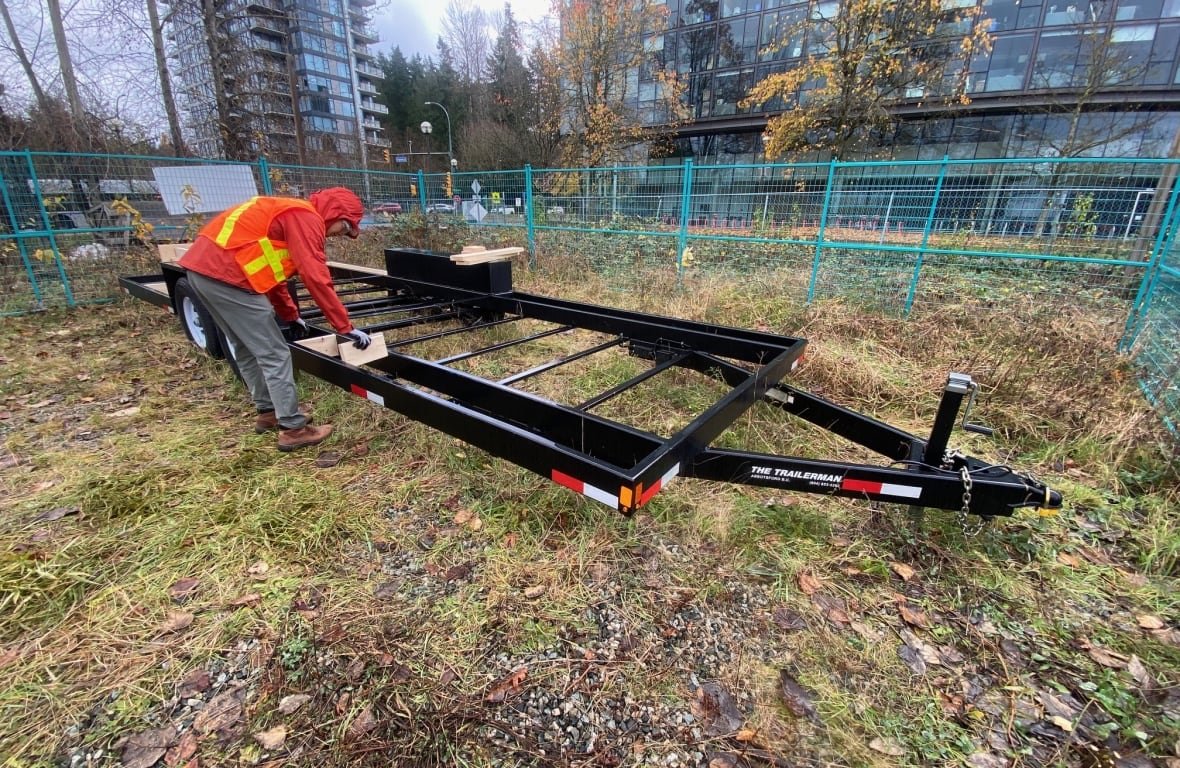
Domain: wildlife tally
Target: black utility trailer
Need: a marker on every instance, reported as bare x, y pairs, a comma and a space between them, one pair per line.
430, 297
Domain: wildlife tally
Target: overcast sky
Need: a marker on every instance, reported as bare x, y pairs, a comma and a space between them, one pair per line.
414, 25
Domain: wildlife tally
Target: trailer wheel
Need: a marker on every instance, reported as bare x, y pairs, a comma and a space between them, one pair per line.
227, 347
195, 320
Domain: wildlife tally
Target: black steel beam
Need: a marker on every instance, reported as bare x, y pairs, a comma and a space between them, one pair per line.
503, 345
561, 361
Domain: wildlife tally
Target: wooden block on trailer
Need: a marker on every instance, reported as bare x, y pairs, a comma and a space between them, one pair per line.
474, 249
375, 351
325, 345
483, 257
171, 252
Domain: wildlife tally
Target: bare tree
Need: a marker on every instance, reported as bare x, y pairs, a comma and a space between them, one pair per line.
26, 64
68, 78
465, 32
165, 79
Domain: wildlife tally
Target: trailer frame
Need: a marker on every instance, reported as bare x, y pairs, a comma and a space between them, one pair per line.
604, 459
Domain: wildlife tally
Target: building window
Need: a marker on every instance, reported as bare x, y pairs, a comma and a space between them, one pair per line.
1009, 63
1139, 9
1056, 65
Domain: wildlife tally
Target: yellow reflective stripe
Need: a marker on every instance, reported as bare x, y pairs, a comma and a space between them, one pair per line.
228, 226
274, 257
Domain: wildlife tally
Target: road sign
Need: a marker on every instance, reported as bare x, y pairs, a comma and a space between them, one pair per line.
496, 198
475, 187
399, 158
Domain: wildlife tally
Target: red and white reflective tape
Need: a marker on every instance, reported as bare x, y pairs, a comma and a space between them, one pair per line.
372, 397
882, 489
658, 484
576, 485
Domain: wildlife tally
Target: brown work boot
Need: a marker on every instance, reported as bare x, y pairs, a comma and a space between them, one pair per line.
267, 420
291, 439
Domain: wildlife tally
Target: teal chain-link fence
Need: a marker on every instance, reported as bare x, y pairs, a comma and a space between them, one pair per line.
889, 236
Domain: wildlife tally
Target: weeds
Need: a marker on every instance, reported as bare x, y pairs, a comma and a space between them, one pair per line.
401, 588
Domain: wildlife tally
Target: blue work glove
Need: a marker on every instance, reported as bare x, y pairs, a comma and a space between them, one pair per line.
358, 337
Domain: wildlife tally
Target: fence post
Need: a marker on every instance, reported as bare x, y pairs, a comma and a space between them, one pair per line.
422, 190
20, 242
1147, 285
61, 271
685, 210
909, 299
528, 213
819, 235
264, 174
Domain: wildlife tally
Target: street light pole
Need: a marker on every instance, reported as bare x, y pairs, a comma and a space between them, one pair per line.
450, 146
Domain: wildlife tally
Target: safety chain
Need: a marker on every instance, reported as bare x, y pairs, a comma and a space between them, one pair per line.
969, 530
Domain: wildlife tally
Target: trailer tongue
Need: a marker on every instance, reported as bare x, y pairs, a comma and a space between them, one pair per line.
623, 466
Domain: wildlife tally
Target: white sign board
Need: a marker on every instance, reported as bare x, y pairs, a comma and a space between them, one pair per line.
475, 187
204, 188
473, 211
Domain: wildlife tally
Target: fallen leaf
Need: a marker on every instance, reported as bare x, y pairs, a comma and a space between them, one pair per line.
788, 620
448, 676
831, 607
713, 706
461, 571
1147, 621
808, 584
901, 569
915, 617
745, 734
363, 723
248, 600
272, 738
463, 516
327, 459
867, 631
887, 747
182, 751
509, 684
127, 411
342, 702
57, 513
1065, 558
292, 702
723, 760
183, 589
532, 593
176, 621
223, 711
1062, 723
511, 538
143, 749
912, 659
1140, 674
798, 699
475, 524
1107, 657
361, 449
258, 568
196, 682
387, 589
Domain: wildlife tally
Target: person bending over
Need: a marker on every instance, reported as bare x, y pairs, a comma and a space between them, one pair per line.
239, 267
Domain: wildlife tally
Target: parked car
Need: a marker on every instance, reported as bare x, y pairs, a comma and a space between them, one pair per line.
440, 208
555, 210
506, 210
388, 209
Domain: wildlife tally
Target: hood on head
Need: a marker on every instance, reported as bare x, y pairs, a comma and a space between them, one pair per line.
337, 203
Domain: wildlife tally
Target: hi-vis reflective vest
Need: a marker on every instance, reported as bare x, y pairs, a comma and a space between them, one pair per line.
243, 230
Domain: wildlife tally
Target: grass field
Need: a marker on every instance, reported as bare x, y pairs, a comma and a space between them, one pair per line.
174, 591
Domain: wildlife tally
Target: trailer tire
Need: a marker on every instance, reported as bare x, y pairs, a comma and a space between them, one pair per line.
198, 325
227, 348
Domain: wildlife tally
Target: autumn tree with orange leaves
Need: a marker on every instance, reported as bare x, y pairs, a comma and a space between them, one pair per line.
598, 56
861, 58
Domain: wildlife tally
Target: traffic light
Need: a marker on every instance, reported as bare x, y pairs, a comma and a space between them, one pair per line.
413, 188
386, 153
447, 187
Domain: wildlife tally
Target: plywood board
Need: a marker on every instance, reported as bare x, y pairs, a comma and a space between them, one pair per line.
171, 252
483, 257
474, 249
358, 268
375, 351
325, 345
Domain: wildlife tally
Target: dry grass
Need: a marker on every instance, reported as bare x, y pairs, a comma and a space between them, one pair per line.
107, 507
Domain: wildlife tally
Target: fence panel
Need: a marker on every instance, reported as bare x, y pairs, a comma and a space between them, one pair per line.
894, 236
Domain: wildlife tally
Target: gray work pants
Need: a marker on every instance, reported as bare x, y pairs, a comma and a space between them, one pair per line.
258, 347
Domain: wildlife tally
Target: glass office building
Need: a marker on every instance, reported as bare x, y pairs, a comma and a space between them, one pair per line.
302, 80
1124, 55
